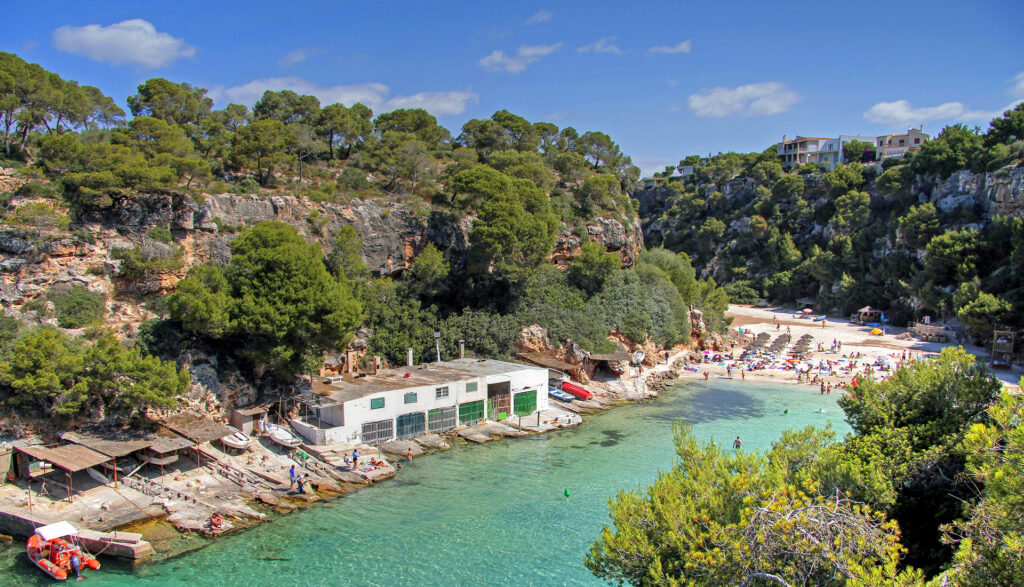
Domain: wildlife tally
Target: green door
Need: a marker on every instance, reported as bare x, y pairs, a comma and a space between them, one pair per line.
471, 412
524, 404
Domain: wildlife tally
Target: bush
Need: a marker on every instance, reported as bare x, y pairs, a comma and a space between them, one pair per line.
353, 179
161, 234
38, 215
146, 260
36, 189
78, 307
740, 292
247, 186
83, 236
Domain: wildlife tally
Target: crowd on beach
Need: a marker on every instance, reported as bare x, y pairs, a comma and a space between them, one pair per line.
816, 363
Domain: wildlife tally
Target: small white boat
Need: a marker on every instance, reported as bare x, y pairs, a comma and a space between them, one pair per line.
283, 436
237, 440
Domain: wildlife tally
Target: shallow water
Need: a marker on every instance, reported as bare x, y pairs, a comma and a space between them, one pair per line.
494, 514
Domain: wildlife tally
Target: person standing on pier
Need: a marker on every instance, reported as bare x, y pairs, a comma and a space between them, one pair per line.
355, 459
292, 475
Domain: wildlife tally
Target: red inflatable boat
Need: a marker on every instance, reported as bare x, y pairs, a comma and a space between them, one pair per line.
51, 548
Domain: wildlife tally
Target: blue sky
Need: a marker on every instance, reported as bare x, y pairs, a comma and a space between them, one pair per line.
664, 79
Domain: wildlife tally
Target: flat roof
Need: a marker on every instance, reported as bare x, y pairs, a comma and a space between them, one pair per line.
345, 388
195, 427
549, 362
164, 441
619, 356
70, 457
109, 441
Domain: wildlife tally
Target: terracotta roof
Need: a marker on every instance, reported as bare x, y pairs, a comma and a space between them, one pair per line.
70, 457
196, 428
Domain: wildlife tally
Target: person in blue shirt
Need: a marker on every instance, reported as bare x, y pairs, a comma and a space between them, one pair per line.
293, 474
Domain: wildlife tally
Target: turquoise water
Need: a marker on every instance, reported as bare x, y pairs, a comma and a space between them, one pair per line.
493, 514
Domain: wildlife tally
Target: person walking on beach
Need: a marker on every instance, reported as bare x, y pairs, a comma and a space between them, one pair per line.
743, 374
737, 443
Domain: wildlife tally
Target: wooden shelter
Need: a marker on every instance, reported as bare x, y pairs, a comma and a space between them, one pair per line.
70, 458
867, 315
245, 418
157, 448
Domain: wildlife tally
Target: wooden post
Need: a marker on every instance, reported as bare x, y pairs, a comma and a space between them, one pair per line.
115, 471
69, 485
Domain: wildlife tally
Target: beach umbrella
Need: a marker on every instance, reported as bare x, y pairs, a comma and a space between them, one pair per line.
808, 311
876, 331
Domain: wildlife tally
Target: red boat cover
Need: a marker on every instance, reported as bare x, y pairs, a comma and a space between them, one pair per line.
576, 390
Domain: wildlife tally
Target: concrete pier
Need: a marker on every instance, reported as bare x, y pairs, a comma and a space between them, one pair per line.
120, 544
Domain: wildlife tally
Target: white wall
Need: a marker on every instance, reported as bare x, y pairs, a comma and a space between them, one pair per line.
356, 412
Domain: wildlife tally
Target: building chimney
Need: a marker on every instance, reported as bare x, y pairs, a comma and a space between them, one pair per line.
376, 364
462, 349
349, 362
408, 358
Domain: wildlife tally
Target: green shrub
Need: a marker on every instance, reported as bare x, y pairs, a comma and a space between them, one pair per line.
78, 306
161, 234
146, 260
37, 215
740, 292
83, 236
38, 306
96, 269
353, 179
247, 186
36, 189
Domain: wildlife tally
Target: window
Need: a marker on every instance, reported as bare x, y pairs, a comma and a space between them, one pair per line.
902, 141
881, 143
917, 141
471, 387
410, 398
376, 403
441, 392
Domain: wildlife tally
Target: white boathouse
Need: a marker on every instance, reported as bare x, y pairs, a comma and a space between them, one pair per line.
413, 400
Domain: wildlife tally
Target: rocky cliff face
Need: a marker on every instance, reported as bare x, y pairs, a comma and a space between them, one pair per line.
31, 261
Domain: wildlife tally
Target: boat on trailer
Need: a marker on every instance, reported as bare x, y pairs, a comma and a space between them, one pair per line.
237, 440
283, 436
51, 547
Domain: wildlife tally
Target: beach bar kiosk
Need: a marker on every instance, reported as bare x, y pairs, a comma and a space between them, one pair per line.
414, 400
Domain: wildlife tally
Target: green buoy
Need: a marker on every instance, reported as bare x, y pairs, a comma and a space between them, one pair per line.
785, 411
567, 493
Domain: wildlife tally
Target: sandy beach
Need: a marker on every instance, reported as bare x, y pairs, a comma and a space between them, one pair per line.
894, 345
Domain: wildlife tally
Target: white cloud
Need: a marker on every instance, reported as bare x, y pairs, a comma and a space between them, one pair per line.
901, 113
1017, 91
374, 95
436, 103
604, 45
293, 58
683, 47
134, 41
750, 100
540, 17
525, 55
